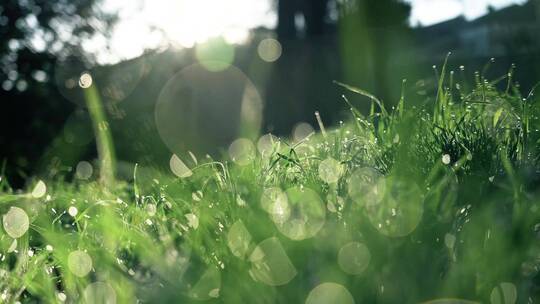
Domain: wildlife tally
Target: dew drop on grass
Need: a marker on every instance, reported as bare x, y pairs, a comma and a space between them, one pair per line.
193, 220
329, 293
39, 190
100, 293
61, 296
330, 170
449, 240
85, 80
307, 214
79, 263
72, 211
504, 293
239, 239
179, 168
270, 264
446, 159
16, 222
354, 258
84, 170
151, 209
242, 151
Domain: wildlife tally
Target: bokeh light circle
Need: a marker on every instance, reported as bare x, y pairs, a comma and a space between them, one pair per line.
504, 293
178, 167
399, 208
269, 50
72, 76
40, 189
366, 186
242, 151
275, 202
301, 131
330, 170
307, 214
239, 239
208, 286
215, 54
354, 258
270, 264
100, 293
202, 111
326, 293
15, 222
84, 170
79, 263
266, 144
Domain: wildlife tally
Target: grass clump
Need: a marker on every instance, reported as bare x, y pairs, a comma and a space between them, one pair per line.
411, 204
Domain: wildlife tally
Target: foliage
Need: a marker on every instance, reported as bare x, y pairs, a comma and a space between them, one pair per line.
402, 205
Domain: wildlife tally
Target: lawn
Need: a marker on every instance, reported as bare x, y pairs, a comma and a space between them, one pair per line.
431, 200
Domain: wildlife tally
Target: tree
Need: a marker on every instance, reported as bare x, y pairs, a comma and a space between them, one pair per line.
34, 35
380, 27
313, 11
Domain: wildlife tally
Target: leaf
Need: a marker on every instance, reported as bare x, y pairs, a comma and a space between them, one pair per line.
363, 93
497, 116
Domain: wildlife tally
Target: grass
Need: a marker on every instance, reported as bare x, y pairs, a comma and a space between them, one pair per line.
432, 201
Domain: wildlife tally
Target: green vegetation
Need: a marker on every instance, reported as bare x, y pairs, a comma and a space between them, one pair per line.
421, 202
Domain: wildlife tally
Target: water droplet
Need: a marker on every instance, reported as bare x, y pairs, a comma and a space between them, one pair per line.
151, 209
449, 240
61, 297
73, 211
446, 159
193, 220
85, 80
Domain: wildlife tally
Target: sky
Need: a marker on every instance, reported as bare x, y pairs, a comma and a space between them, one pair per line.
183, 23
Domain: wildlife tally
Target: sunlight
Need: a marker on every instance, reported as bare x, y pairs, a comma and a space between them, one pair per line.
183, 23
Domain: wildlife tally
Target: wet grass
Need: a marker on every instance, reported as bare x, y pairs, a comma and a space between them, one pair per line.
429, 200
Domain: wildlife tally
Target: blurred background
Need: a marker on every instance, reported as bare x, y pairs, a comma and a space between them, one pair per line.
180, 76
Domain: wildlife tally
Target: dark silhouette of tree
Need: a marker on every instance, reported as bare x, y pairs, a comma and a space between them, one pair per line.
370, 31
314, 13
33, 35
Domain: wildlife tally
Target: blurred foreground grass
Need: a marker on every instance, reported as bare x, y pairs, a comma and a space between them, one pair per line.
431, 203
